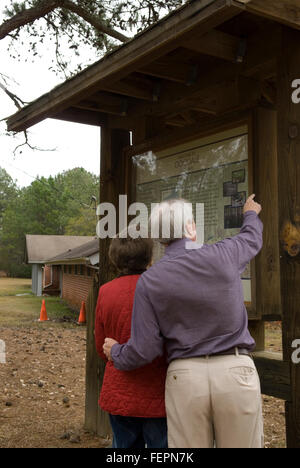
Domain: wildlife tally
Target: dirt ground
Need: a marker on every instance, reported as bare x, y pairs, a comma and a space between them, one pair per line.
42, 390
42, 384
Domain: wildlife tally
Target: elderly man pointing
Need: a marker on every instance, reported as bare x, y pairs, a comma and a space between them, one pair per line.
191, 303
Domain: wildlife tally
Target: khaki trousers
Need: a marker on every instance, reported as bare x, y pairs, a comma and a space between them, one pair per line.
214, 402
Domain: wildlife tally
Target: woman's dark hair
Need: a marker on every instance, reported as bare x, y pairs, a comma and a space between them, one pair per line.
131, 256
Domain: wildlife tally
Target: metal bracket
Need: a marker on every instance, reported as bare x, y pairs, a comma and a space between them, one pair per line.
242, 50
156, 91
193, 74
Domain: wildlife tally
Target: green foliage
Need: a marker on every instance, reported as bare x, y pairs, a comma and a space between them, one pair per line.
58, 205
19, 271
83, 224
8, 192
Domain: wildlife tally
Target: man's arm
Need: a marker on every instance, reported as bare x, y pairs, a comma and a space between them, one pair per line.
146, 342
248, 243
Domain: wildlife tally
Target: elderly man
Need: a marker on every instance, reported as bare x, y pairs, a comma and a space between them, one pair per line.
191, 304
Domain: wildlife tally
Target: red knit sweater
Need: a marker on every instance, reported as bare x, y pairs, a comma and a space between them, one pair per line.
138, 393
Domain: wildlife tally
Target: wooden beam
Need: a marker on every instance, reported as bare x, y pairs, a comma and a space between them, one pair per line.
167, 70
220, 90
81, 116
283, 11
174, 96
108, 98
288, 129
261, 51
204, 108
274, 374
101, 108
205, 126
149, 46
107, 103
269, 92
216, 44
227, 97
267, 264
177, 121
137, 88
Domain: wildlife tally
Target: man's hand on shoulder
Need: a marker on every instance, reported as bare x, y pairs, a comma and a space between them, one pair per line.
108, 344
251, 205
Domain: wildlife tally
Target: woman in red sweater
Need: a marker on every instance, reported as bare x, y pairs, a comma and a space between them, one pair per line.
134, 400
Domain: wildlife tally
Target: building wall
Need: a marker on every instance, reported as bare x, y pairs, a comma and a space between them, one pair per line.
76, 284
51, 279
37, 279
47, 276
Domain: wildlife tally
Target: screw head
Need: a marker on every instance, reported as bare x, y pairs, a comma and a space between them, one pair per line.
293, 131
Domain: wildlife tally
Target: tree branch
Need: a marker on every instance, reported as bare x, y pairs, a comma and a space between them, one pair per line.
44, 7
18, 102
94, 21
28, 15
29, 145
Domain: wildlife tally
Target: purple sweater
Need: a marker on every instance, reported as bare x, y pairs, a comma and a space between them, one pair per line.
191, 302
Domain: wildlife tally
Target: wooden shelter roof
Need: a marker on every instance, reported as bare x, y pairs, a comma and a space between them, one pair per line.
206, 58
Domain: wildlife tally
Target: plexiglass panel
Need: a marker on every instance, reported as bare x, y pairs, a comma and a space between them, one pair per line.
212, 171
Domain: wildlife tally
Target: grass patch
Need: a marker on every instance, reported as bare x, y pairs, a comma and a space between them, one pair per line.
24, 311
14, 286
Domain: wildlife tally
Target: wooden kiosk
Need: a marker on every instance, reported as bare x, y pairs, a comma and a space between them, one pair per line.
205, 104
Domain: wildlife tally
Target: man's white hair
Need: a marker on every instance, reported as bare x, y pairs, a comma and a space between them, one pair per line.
169, 220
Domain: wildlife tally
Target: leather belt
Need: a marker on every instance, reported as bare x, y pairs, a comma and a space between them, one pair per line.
232, 352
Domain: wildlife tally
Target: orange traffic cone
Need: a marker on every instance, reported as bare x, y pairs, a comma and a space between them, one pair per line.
43, 314
82, 315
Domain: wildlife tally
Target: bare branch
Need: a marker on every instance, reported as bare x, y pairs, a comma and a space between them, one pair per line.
18, 102
29, 145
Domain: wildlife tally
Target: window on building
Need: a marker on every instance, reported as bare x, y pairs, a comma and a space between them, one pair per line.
70, 269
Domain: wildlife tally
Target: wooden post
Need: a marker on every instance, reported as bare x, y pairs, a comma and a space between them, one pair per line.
268, 298
289, 216
257, 330
112, 184
267, 264
93, 416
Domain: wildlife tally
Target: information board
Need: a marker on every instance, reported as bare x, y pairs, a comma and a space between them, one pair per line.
212, 171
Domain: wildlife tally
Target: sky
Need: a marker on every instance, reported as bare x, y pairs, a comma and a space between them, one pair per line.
75, 145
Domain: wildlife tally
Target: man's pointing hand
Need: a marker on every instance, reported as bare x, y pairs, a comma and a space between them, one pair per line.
251, 205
